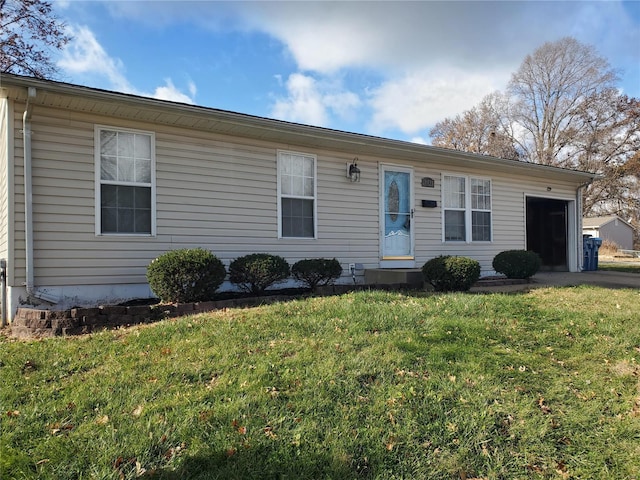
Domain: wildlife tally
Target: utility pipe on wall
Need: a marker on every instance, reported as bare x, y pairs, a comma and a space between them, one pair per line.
3, 292
28, 202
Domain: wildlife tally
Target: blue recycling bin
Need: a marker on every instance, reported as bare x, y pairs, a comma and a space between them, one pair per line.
590, 247
597, 242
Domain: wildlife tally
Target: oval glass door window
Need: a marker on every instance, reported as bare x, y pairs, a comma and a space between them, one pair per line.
393, 200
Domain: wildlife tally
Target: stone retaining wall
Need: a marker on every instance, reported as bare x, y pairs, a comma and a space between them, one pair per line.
33, 323
30, 322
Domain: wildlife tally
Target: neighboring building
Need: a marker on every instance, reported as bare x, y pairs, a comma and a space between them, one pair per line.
611, 228
95, 184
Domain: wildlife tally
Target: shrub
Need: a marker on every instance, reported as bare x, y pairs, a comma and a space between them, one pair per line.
447, 274
317, 271
608, 247
185, 275
516, 263
256, 272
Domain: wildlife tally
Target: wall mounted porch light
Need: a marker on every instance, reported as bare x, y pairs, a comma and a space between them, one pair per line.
353, 172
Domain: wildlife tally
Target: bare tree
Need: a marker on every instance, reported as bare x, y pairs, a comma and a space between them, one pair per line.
478, 130
561, 108
608, 143
29, 32
548, 93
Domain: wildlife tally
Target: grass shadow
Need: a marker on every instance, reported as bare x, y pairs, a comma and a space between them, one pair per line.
261, 463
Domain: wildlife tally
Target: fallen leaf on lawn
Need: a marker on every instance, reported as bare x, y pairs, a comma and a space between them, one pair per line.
13, 413
138, 411
545, 409
139, 469
103, 420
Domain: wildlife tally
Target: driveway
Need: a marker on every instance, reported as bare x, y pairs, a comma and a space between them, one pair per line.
556, 279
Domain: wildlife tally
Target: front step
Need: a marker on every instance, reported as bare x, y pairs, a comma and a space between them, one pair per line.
394, 276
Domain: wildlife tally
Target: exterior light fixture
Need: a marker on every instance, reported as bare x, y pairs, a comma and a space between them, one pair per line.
353, 172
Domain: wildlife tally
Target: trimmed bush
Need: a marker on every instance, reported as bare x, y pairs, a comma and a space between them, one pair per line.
185, 275
256, 272
516, 263
451, 274
317, 271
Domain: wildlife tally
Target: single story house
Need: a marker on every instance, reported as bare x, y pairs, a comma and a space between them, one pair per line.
95, 184
611, 228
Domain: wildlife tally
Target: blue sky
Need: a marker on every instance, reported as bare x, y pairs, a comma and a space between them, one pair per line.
390, 69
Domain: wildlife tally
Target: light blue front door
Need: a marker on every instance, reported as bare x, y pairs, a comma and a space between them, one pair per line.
397, 213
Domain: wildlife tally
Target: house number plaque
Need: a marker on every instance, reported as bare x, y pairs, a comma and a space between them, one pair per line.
428, 182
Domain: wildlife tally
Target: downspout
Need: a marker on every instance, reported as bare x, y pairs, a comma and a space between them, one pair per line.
3, 292
28, 202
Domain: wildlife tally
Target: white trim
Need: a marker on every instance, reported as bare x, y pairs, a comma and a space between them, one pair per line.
99, 182
573, 246
468, 210
280, 152
391, 261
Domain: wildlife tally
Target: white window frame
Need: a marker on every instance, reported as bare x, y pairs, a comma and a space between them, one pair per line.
99, 182
468, 210
314, 158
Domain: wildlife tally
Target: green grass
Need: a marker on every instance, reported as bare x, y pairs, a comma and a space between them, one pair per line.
369, 385
617, 267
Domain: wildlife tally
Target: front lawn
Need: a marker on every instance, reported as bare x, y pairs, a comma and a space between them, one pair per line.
619, 267
368, 385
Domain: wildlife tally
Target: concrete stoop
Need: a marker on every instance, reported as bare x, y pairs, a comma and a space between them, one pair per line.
394, 276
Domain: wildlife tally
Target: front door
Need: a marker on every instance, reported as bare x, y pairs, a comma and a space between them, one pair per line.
396, 216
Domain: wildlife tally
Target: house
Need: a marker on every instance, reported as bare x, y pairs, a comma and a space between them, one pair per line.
611, 228
95, 184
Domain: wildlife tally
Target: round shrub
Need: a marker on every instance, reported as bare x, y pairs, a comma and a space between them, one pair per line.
256, 272
185, 275
517, 263
451, 274
317, 271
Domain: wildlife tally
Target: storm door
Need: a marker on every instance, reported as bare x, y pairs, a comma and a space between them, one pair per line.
396, 215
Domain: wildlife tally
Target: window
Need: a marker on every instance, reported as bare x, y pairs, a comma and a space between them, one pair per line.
480, 210
296, 192
466, 201
125, 167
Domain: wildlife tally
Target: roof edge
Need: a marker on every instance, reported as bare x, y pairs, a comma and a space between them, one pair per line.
265, 123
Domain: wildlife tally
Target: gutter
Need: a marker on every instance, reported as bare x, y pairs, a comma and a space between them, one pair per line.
238, 124
28, 202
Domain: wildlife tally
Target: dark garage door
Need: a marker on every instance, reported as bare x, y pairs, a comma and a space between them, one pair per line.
547, 231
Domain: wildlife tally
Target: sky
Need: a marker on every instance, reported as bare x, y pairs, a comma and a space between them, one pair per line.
385, 68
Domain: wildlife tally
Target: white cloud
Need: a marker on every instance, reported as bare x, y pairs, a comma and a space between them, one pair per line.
312, 102
420, 99
420, 140
303, 103
170, 92
85, 56
431, 59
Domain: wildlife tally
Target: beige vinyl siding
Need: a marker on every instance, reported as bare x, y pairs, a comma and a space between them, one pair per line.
220, 193
508, 212
211, 191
